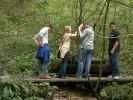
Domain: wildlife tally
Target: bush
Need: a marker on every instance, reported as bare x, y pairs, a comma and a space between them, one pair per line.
24, 90
24, 63
117, 92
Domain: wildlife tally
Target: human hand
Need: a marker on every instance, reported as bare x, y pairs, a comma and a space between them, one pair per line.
40, 45
112, 51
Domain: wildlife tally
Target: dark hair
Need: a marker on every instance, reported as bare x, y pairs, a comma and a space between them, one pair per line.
112, 23
50, 25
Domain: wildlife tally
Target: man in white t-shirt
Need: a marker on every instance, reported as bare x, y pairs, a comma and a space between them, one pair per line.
43, 51
87, 45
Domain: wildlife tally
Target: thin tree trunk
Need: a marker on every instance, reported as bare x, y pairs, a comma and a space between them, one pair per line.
99, 17
104, 26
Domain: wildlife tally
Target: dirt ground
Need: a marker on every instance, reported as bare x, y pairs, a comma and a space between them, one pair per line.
72, 94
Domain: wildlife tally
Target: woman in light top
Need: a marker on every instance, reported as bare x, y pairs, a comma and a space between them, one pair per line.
64, 49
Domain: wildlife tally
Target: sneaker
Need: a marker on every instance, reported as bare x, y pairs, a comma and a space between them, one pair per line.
116, 77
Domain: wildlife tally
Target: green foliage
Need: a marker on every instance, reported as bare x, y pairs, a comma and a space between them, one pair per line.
21, 63
117, 92
25, 62
14, 89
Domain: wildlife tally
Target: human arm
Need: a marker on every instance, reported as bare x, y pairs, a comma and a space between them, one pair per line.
80, 28
73, 34
91, 34
38, 40
114, 47
40, 35
61, 42
82, 31
116, 44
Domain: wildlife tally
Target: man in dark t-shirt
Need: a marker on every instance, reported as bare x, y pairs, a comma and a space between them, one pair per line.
114, 48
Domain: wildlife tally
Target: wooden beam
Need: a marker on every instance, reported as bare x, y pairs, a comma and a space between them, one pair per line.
91, 79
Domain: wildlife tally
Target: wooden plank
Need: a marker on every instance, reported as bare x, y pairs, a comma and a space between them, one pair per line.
73, 79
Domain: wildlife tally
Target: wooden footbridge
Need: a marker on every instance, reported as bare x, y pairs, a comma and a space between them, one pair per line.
77, 80
72, 79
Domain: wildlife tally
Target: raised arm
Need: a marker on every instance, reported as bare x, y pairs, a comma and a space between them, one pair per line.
73, 34
80, 28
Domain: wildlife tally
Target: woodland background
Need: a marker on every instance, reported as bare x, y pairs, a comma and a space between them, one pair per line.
20, 20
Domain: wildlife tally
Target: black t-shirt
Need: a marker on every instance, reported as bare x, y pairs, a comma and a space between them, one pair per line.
114, 36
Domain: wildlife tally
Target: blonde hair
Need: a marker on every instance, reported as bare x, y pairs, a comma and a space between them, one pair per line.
67, 29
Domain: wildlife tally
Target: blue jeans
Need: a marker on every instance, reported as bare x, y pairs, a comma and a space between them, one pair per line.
63, 69
85, 60
43, 53
43, 67
114, 64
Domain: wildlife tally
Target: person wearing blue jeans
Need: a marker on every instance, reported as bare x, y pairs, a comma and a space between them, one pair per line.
114, 64
87, 46
85, 59
43, 67
43, 51
43, 55
114, 47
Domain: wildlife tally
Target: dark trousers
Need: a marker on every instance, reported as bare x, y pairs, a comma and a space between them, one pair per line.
114, 64
63, 69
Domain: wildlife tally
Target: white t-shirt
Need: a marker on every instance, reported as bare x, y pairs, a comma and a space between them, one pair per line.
44, 34
87, 38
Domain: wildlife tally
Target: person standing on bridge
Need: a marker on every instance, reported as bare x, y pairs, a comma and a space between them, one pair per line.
64, 49
114, 48
43, 51
87, 45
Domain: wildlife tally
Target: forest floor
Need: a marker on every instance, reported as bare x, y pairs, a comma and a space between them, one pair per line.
66, 92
